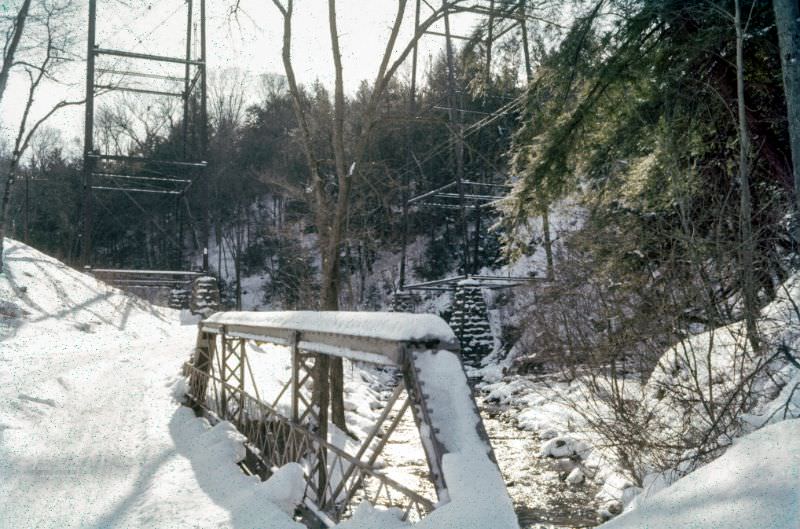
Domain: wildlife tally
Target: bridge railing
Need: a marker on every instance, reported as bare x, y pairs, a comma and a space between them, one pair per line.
275, 440
131, 279
223, 384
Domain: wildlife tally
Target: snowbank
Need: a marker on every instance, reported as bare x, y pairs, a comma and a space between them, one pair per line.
711, 364
91, 430
754, 485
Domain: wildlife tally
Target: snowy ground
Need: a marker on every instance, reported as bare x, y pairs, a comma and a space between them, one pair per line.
91, 434
754, 485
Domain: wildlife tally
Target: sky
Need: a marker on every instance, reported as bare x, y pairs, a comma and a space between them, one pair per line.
249, 40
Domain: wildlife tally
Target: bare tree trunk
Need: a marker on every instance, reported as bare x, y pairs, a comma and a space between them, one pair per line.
487, 67
12, 172
330, 278
11, 45
236, 247
455, 120
26, 130
321, 389
548, 242
26, 230
787, 18
745, 207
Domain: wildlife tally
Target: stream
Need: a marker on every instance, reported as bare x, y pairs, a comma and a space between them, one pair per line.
541, 497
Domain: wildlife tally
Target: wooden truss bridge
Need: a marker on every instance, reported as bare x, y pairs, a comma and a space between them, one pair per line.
285, 427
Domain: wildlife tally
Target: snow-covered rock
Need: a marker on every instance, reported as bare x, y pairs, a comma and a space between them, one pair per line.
576, 477
564, 446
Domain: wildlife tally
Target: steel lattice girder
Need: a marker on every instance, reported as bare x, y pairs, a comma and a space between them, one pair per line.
278, 439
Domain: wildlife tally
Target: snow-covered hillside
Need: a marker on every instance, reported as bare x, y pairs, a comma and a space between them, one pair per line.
754, 485
91, 433
709, 367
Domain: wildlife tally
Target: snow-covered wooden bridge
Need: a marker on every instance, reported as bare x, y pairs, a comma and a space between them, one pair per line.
288, 426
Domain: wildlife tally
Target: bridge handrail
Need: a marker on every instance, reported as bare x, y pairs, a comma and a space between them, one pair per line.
134, 272
320, 445
373, 337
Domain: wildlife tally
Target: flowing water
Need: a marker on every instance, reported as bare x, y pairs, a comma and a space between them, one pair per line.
542, 499
536, 485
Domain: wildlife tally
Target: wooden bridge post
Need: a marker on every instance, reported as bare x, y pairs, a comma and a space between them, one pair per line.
242, 388
295, 340
203, 357
223, 360
320, 396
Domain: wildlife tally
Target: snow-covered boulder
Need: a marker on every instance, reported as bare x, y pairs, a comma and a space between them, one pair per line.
576, 477
564, 446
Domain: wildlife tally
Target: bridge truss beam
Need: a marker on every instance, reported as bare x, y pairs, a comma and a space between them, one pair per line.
223, 386
335, 479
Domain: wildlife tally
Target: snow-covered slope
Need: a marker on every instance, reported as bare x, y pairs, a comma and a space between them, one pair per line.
754, 485
756, 482
91, 434
709, 367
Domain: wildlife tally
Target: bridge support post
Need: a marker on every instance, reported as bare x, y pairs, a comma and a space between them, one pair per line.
242, 358
223, 373
203, 357
295, 340
322, 400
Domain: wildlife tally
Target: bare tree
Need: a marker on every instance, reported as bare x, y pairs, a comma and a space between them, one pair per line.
745, 208
235, 235
228, 98
127, 125
787, 18
331, 209
57, 38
